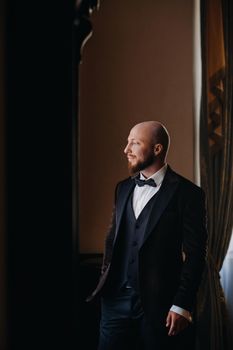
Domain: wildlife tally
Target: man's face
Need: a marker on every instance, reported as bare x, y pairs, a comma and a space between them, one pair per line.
139, 150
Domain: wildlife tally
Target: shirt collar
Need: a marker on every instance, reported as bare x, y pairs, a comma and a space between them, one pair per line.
158, 176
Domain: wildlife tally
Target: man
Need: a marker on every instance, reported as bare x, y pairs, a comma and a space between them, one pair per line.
155, 251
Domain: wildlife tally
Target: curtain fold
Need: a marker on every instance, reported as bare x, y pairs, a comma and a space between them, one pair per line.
216, 163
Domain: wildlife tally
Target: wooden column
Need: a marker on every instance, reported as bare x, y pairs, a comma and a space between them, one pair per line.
82, 31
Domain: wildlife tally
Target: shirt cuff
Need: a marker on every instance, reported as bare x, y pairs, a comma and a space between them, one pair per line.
182, 312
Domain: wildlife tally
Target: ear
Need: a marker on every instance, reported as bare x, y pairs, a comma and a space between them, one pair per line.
158, 149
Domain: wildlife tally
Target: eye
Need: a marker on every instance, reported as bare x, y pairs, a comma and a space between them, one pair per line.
133, 142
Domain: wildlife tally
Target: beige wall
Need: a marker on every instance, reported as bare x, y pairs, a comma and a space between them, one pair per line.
136, 66
2, 187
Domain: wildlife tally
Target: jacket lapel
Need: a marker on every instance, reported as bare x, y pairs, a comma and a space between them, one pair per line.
165, 194
125, 190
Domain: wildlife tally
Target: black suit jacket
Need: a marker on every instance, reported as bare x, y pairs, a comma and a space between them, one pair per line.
173, 252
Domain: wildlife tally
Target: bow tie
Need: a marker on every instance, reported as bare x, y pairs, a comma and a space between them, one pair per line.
140, 182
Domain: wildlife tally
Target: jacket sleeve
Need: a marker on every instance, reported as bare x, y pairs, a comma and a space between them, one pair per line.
109, 242
194, 249
108, 249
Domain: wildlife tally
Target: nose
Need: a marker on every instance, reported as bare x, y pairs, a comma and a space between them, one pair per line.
126, 149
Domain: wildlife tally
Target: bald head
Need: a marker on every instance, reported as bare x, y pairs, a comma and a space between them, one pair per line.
147, 147
155, 133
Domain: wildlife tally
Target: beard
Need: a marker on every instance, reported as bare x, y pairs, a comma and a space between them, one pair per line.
141, 164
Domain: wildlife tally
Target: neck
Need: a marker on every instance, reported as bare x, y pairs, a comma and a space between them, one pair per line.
152, 169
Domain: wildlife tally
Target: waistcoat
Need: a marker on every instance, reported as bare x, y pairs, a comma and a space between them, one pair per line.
124, 265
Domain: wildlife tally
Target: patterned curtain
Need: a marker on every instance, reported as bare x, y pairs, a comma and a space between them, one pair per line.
216, 163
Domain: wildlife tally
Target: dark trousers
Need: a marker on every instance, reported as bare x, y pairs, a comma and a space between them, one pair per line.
123, 326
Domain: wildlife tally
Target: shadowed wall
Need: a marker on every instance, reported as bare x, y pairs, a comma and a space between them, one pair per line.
137, 66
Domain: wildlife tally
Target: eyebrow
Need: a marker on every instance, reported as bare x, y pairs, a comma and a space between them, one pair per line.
131, 139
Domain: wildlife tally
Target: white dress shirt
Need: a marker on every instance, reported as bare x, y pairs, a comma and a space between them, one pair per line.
141, 196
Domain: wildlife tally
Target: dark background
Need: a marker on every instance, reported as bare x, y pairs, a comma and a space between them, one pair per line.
38, 120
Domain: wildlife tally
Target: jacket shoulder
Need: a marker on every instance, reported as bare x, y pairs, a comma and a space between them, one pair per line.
125, 181
122, 184
189, 186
